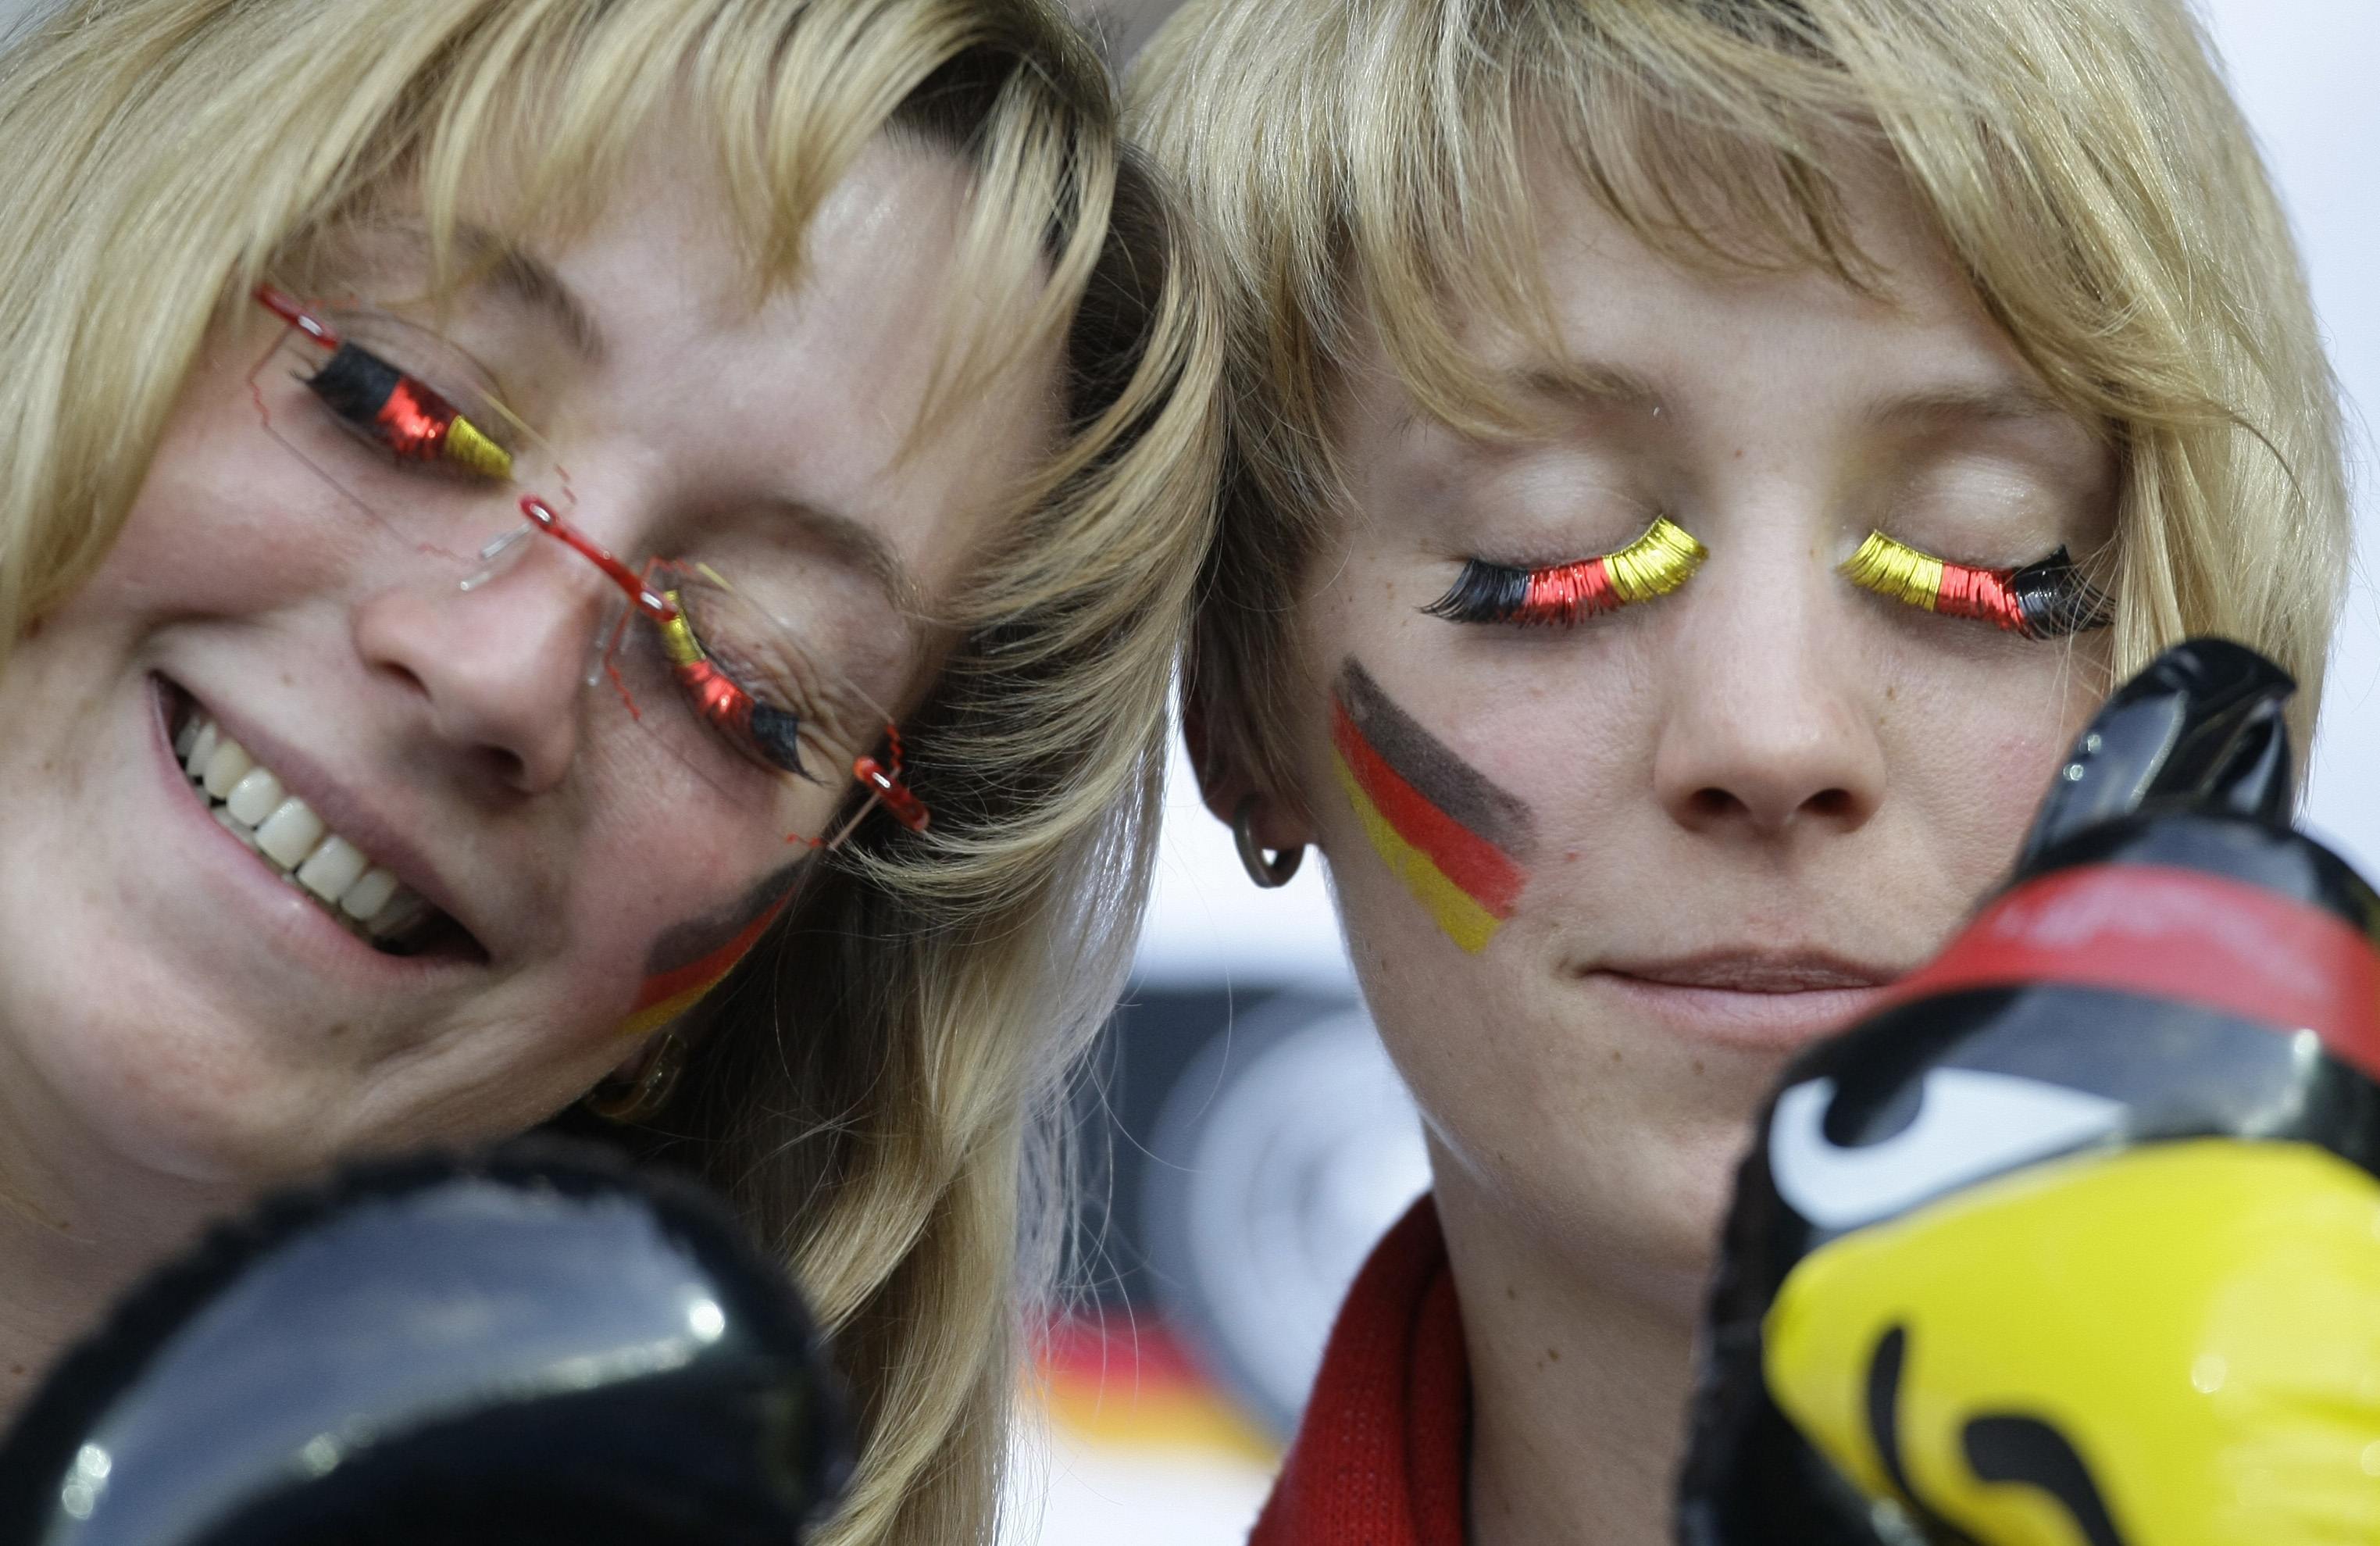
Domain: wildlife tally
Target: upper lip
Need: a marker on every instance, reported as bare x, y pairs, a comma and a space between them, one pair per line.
301, 775
1758, 972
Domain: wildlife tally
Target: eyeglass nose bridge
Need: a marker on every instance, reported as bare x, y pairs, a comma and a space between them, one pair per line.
541, 518
883, 780
623, 590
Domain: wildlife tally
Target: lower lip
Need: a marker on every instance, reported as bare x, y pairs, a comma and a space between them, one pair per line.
1749, 1021
280, 914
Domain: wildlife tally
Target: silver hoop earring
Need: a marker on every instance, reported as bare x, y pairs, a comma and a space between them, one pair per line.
1270, 872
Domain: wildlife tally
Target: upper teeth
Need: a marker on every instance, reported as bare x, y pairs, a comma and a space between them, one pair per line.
250, 803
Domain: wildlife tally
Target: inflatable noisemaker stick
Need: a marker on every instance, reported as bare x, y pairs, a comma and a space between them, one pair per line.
2077, 1242
540, 1346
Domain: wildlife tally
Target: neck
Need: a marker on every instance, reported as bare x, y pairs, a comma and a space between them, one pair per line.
72, 1240
1579, 1385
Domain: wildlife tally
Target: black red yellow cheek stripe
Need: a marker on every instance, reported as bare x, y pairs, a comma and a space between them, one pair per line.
1656, 563
1456, 840
664, 995
2047, 599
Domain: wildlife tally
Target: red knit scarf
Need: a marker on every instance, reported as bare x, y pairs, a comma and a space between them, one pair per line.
1380, 1455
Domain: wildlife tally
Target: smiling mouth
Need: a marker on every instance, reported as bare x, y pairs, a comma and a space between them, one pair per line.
250, 801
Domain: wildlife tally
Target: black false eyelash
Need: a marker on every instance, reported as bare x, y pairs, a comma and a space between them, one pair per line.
2055, 602
1664, 557
1483, 593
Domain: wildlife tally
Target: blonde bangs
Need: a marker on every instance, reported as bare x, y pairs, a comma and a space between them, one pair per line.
791, 103
2080, 159
880, 1093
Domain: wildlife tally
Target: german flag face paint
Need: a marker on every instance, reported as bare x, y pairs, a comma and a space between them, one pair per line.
1456, 840
1665, 558
689, 961
2047, 599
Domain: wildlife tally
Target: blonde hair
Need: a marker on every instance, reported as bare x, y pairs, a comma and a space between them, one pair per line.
1359, 163
880, 1090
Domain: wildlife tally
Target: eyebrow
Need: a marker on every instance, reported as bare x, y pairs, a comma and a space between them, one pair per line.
509, 269
1584, 383
1951, 407
859, 547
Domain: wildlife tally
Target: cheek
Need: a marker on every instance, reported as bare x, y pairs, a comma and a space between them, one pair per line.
1972, 766
667, 911
221, 531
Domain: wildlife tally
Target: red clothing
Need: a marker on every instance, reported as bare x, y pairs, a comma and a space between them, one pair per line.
1381, 1454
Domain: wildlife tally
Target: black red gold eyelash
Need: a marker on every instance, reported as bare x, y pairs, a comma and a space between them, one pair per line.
409, 419
1654, 564
404, 414
2046, 600
771, 732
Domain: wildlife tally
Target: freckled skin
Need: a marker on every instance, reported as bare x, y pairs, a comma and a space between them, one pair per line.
155, 1035
1769, 759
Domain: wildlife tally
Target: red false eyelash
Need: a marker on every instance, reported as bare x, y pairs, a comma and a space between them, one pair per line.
2046, 600
1654, 564
401, 413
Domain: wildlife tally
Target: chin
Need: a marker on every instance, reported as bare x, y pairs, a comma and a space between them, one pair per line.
170, 1093
1634, 1211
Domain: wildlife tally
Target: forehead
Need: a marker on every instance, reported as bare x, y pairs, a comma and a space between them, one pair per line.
1714, 347
645, 346
1712, 322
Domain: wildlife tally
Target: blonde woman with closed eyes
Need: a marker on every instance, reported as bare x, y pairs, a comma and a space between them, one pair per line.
557, 552
1696, 467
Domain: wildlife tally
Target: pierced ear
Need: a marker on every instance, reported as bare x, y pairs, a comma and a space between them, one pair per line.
1227, 775
1221, 784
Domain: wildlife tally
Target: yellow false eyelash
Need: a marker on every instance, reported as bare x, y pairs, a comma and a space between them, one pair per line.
1654, 564
2046, 600
470, 449
1665, 558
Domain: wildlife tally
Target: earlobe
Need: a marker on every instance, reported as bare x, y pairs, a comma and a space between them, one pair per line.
644, 1085
1233, 790
1221, 787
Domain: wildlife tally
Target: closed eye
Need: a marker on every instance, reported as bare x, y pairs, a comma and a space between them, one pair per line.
2047, 599
405, 416
1558, 595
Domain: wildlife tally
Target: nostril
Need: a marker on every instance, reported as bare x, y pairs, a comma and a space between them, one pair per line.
405, 677
507, 767
1831, 804
1712, 803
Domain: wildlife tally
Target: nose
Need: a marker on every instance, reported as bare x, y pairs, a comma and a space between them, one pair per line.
1768, 729
497, 671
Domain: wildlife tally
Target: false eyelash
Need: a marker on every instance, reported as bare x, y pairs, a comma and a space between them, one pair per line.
2049, 599
769, 734
404, 415
1654, 564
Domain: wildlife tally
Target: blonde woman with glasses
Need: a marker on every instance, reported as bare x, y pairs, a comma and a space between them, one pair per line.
1697, 465
557, 552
